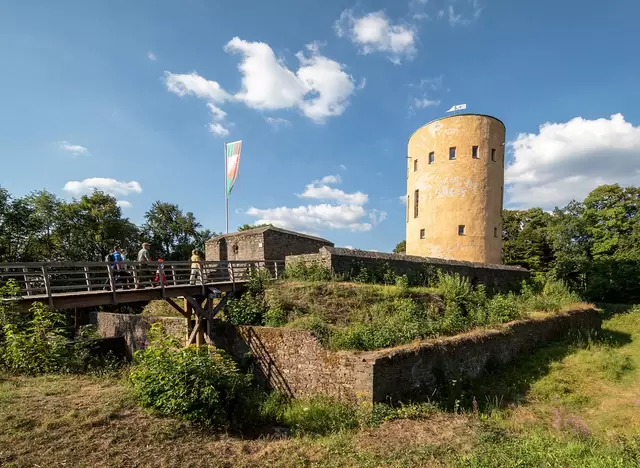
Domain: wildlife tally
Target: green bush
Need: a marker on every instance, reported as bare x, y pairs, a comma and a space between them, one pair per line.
275, 317
319, 416
315, 325
307, 271
248, 309
200, 384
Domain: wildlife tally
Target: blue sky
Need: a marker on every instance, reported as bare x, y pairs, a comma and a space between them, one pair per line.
138, 97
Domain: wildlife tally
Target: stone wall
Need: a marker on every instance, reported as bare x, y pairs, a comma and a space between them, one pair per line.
349, 262
412, 372
237, 246
296, 363
279, 244
135, 328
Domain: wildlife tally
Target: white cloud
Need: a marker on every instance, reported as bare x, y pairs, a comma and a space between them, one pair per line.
218, 129
330, 179
403, 199
75, 150
377, 216
350, 247
320, 88
471, 9
347, 213
110, 186
217, 116
565, 161
324, 192
374, 32
194, 84
152, 56
316, 217
277, 122
123, 204
424, 102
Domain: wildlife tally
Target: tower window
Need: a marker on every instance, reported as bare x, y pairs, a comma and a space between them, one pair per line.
452, 153
432, 157
415, 165
493, 154
421, 233
416, 201
495, 232
461, 230
474, 152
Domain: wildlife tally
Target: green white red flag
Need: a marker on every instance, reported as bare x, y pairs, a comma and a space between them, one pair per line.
232, 153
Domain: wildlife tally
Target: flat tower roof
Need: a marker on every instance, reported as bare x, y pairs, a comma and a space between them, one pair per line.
453, 116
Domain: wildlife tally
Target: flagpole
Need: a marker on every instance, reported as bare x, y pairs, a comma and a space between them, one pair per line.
226, 193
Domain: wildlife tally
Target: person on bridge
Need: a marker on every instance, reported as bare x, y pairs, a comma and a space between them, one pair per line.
196, 268
143, 271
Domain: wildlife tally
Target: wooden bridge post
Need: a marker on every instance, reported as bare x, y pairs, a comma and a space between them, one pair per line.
86, 277
47, 285
189, 310
27, 283
112, 284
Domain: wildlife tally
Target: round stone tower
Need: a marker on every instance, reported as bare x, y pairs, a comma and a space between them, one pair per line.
455, 180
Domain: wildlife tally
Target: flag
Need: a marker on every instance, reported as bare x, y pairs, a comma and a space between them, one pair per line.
232, 153
458, 107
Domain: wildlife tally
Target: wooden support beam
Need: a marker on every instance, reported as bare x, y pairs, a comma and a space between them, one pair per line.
177, 307
194, 333
189, 311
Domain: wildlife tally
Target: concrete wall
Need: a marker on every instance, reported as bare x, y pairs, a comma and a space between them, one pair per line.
349, 262
464, 191
279, 244
295, 362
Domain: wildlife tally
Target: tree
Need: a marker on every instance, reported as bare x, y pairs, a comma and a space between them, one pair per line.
171, 232
401, 247
525, 239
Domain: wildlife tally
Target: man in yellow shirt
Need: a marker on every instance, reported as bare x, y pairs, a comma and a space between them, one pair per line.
196, 270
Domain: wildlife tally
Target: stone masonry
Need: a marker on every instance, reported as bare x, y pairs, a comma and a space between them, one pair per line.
264, 243
296, 363
348, 262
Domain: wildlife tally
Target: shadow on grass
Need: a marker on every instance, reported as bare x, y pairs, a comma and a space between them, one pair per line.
501, 386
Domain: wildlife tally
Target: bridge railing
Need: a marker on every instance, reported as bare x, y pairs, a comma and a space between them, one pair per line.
49, 279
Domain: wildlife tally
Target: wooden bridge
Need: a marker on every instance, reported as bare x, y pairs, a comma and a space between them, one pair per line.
90, 284
73, 285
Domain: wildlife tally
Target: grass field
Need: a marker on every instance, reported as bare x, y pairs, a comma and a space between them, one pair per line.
574, 403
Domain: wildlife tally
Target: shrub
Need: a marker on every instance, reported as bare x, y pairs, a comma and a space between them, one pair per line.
307, 271
315, 325
503, 308
200, 384
248, 309
319, 416
275, 317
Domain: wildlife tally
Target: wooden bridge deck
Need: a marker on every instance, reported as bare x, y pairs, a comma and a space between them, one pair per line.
92, 284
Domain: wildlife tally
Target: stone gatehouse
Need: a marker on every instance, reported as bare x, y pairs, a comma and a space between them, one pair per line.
263, 243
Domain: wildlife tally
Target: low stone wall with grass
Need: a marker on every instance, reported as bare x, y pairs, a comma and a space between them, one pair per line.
135, 328
376, 266
415, 371
294, 362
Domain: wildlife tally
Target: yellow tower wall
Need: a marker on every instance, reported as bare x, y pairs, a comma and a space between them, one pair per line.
464, 191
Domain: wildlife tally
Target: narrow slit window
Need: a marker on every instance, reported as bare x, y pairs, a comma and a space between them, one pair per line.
474, 152
415, 165
432, 157
416, 201
452, 153
495, 232
422, 234
461, 230
493, 154
408, 207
